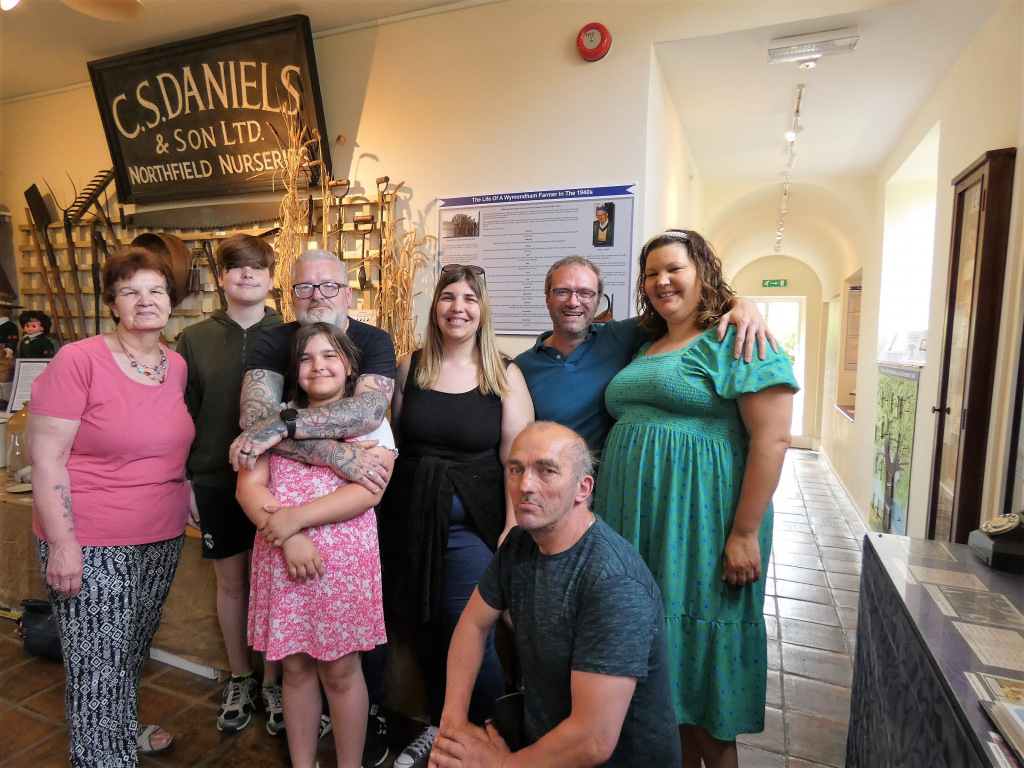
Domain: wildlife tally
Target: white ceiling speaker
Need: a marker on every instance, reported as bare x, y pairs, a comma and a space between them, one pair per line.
806, 48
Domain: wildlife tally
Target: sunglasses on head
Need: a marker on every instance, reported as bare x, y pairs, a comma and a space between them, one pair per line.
471, 267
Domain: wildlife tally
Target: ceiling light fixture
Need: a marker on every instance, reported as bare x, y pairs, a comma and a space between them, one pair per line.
807, 49
794, 127
7, 5
783, 210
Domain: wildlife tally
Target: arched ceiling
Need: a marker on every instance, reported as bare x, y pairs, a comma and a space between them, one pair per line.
825, 229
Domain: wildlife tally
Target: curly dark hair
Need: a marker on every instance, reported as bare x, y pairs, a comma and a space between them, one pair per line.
715, 292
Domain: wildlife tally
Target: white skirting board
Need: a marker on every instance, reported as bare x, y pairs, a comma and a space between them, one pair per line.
189, 666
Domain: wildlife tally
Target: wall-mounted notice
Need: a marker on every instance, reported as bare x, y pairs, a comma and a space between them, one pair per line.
516, 236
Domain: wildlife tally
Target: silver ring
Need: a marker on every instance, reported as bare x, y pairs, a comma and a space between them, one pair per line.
245, 452
369, 473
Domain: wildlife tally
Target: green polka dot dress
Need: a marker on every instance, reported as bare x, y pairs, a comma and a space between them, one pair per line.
669, 483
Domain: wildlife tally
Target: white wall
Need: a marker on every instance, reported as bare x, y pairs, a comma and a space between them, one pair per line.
674, 192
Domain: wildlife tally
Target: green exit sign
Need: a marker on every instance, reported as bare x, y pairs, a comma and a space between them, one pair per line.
773, 283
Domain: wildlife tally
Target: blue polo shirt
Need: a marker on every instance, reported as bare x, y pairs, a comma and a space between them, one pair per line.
570, 390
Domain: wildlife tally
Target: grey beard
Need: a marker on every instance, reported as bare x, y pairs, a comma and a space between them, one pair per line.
322, 315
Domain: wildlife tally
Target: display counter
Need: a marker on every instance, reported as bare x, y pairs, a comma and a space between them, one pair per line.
189, 628
937, 632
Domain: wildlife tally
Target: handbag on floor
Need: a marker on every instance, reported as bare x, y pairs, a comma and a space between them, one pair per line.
38, 629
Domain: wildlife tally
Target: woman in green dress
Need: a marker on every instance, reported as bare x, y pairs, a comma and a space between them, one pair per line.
687, 477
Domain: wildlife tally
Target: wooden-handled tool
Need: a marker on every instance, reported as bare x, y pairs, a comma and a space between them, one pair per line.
41, 220
212, 263
98, 244
91, 196
364, 218
339, 188
382, 191
76, 279
46, 278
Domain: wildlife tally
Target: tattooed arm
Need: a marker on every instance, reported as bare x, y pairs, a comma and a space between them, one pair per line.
262, 392
318, 430
50, 439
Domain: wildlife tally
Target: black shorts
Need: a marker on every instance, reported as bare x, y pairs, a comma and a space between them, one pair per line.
225, 528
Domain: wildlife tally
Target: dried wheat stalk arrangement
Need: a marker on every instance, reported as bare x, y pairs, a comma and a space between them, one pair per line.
302, 155
401, 256
400, 260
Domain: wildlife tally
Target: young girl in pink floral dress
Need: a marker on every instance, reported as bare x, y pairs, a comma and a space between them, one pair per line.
315, 596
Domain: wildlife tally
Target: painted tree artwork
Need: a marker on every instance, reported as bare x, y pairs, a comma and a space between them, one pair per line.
895, 418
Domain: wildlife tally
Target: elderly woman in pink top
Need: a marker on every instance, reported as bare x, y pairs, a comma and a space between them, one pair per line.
108, 437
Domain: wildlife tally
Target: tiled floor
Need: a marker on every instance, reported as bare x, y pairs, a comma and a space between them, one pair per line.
811, 610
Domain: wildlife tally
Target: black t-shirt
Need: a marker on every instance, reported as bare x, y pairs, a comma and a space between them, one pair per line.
273, 349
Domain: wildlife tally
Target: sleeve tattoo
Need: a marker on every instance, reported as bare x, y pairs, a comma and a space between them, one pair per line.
353, 416
262, 391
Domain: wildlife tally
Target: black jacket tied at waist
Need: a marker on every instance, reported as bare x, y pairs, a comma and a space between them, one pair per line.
479, 482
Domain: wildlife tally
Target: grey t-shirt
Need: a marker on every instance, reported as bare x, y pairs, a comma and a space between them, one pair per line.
593, 608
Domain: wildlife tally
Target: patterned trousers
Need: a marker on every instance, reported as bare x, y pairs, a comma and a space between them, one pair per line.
106, 631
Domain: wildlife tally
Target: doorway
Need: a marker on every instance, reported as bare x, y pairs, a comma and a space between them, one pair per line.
786, 316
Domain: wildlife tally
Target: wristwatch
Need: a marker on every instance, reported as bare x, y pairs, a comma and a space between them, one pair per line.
288, 416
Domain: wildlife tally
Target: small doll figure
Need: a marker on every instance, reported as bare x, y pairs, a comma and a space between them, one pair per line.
36, 326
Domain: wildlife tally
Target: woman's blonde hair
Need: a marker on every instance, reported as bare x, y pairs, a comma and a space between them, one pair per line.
491, 376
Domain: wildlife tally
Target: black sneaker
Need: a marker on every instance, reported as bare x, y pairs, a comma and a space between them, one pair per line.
375, 750
417, 753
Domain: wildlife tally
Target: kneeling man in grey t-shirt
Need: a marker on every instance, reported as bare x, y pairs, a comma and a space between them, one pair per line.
588, 622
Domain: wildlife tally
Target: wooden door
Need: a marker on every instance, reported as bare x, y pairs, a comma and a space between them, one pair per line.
981, 222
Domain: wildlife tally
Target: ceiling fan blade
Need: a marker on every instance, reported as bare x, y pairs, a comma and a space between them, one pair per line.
108, 10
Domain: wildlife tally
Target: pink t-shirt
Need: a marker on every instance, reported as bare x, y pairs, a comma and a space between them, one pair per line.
127, 462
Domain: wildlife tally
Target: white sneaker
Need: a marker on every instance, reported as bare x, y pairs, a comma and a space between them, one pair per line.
416, 754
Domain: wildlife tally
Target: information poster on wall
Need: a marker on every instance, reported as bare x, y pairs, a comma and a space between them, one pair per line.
516, 236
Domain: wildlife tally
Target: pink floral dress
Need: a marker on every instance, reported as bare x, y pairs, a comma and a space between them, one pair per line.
327, 617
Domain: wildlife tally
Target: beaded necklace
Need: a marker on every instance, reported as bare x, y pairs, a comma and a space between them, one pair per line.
160, 369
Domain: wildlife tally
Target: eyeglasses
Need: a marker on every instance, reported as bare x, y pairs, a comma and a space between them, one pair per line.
305, 290
563, 294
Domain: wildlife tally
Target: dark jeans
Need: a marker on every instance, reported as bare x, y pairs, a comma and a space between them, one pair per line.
374, 668
464, 562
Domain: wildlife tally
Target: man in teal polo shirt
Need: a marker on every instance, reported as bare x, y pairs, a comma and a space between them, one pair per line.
569, 367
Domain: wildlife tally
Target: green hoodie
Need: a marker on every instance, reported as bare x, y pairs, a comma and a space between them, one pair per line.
215, 351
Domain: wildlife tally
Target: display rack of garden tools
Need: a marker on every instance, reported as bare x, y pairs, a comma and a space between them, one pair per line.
56, 275
356, 235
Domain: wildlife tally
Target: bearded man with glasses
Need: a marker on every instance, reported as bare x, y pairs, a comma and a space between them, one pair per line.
568, 368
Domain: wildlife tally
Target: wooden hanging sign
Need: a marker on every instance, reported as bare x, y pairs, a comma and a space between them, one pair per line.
196, 119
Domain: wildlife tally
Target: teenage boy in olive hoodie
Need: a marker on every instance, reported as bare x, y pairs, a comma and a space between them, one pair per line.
216, 350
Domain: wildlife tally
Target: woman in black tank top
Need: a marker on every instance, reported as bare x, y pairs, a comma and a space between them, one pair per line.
458, 404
